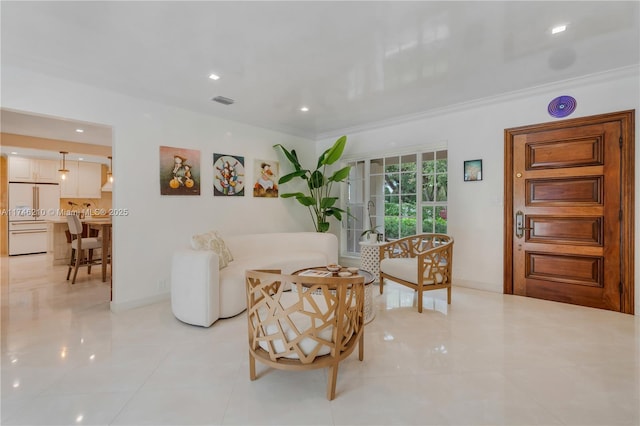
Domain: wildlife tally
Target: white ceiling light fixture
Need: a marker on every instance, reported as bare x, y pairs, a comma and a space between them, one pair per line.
80, 130
63, 171
304, 109
213, 76
558, 29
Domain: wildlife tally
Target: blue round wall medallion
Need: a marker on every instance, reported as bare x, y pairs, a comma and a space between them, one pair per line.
562, 106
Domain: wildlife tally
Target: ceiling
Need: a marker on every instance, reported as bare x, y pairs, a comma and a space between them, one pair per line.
42, 126
353, 64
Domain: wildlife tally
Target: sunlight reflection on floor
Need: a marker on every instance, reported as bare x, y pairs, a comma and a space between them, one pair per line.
398, 296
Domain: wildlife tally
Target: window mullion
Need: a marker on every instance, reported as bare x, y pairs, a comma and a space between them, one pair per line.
418, 193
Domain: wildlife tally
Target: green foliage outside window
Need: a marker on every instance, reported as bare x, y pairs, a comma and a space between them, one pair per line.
407, 187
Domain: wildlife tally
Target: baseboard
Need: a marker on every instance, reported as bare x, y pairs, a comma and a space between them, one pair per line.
131, 304
492, 287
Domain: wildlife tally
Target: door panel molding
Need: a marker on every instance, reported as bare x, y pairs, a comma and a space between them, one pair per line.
586, 190
578, 230
580, 270
585, 152
589, 155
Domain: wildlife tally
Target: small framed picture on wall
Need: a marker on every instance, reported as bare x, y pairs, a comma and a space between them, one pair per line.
472, 170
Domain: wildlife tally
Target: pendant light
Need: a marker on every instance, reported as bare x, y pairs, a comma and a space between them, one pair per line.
63, 171
110, 173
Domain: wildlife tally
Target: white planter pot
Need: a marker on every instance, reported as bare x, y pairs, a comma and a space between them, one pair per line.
373, 238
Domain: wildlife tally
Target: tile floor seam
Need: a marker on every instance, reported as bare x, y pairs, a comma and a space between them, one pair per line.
134, 393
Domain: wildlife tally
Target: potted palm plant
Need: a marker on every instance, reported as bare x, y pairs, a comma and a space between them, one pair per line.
371, 233
318, 200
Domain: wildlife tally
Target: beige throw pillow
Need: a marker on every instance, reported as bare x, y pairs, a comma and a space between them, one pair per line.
213, 241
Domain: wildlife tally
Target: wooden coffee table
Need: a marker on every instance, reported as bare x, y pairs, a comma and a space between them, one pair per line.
369, 279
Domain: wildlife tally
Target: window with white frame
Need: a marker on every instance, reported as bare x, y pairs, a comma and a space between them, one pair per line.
398, 195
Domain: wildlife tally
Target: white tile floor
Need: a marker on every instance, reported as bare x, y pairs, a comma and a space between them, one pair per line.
485, 359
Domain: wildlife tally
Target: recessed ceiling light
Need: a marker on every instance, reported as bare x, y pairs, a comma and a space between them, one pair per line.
214, 76
80, 159
14, 153
304, 109
558, 29
79, 130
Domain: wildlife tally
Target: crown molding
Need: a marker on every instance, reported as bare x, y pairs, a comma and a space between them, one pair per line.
618, 73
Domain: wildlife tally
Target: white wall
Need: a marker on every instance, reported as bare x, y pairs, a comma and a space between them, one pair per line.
145, 239
476, 131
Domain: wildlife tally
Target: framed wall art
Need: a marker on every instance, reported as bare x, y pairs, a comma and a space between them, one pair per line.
472, 170
228, 175
266, 174
179, 171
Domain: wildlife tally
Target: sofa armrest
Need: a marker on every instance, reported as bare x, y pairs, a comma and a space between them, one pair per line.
413, 246
435, 263
195, 286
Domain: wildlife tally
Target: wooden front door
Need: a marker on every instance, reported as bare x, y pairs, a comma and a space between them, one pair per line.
570, 211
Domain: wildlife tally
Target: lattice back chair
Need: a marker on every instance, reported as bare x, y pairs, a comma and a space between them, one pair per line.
316, 324
80, 245
422, 262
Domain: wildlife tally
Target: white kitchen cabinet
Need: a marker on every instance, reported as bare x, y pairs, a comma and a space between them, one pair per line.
20, 169
33, 170
90, 180
69, 185
47, 171
84, 180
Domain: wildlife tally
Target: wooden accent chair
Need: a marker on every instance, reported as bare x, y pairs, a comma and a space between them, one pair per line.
78, 246
422, 262
316, 324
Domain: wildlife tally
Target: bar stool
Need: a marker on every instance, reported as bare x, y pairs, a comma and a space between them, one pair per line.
79, 245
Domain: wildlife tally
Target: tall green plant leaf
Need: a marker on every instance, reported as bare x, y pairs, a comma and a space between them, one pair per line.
306, 201
335, 211
291, 156
287, 178
321, 159
340, 175
292, 194
335, 152
328, 202
316, 180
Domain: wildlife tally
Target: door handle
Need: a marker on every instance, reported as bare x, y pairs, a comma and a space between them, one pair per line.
34, 198
27, 232
520, 228
37, 204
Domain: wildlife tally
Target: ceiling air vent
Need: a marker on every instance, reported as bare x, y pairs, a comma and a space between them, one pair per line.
222, 100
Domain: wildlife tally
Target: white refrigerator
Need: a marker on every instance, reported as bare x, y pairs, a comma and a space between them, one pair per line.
30, 205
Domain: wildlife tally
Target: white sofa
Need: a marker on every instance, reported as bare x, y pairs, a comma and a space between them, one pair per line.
201, 293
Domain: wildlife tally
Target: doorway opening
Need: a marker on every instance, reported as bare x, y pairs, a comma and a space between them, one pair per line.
30, 156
